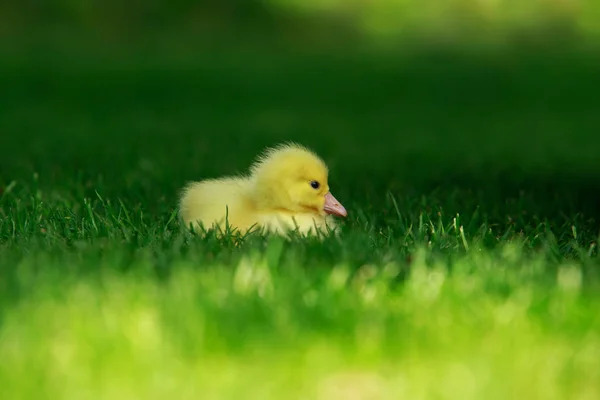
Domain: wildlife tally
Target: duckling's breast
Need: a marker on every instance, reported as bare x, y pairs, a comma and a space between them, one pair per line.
282, 222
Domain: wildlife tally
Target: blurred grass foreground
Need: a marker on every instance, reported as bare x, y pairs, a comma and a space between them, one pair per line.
467, 268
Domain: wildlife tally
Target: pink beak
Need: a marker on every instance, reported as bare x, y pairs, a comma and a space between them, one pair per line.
332, 206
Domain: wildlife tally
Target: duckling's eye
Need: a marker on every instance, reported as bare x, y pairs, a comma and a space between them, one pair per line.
314, 184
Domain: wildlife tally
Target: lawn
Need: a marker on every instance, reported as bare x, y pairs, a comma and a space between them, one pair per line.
467, 268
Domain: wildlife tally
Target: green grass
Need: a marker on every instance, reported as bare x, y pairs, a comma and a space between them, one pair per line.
467, 268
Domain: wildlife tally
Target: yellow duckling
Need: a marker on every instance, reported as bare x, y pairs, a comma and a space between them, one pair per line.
286, 189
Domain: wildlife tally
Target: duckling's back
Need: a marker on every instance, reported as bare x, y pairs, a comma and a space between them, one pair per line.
209, 201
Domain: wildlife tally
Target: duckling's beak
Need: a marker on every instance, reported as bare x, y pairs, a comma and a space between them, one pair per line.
332, 206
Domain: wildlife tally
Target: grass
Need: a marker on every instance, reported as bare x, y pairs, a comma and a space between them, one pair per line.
467, 268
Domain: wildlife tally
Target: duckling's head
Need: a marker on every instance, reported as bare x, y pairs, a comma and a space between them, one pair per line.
294, 179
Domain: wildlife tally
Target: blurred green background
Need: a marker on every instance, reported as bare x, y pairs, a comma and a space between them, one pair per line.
462, 137
141, 93
464, 21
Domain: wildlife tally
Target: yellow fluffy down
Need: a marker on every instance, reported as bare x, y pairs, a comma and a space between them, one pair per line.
286, 189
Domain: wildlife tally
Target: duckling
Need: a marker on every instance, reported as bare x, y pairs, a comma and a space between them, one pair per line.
286, 189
